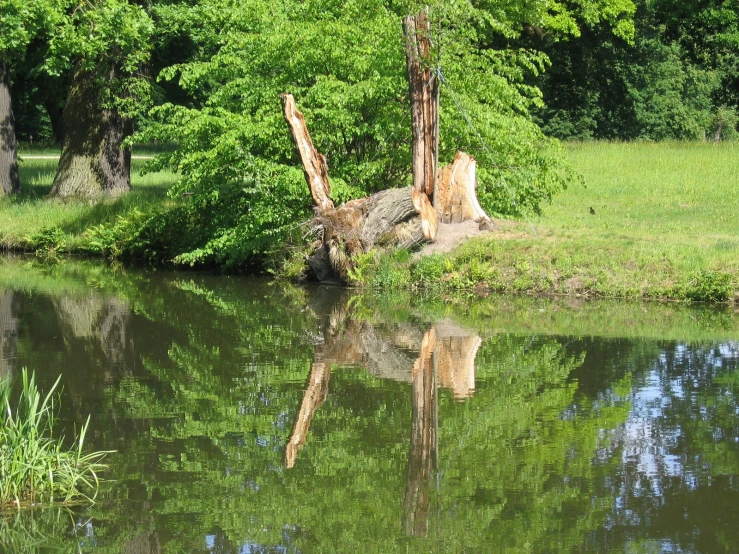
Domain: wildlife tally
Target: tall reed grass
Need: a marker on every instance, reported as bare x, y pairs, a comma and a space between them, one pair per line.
35, 466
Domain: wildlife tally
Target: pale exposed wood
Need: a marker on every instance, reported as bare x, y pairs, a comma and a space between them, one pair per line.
315, 395
314, 163
455, 198
424, 93
429, 219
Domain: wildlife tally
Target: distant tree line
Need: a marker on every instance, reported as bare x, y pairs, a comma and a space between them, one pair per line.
678, 78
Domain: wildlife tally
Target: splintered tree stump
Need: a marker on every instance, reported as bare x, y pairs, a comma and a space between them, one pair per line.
455, 198
313, 162
399, 218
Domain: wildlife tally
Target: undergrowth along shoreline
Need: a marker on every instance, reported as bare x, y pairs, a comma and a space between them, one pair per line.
654, 221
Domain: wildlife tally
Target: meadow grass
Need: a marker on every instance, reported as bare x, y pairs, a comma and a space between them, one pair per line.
665, 225
32, 212
35, 467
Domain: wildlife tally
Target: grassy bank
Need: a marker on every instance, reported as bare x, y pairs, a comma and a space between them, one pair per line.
652, 221
32, 221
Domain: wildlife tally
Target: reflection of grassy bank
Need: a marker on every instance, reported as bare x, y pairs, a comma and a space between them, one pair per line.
663, 225
490, 314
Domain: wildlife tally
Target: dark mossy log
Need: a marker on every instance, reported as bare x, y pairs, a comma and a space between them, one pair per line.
9, 179
93, 163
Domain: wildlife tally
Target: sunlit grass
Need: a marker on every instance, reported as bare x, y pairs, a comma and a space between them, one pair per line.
652, 220
35, 467
32, 210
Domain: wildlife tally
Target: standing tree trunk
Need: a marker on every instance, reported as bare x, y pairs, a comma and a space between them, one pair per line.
424, 92
9, 180
93, 163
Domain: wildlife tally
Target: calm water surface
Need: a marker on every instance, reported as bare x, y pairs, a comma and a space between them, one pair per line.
250, 418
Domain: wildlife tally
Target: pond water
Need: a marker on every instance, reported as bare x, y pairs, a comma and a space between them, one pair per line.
252, 418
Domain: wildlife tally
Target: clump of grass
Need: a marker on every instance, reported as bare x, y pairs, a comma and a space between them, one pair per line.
35, 467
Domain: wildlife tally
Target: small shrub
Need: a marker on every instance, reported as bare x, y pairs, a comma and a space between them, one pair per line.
47, 240
709, 286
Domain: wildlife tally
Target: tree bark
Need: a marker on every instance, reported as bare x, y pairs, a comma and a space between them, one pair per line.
9, 179
55, 110
93, 163
424, 93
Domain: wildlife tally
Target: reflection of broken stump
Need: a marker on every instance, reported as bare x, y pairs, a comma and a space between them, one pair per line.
422, 458
315, 395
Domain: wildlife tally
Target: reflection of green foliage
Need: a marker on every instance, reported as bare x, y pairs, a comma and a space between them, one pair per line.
30, 532
213, 377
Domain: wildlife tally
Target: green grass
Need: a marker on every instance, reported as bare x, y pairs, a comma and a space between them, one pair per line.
31, 213
665, 226
35, 467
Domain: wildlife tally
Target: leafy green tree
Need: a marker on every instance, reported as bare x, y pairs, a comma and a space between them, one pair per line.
21, 22
344, 62
105, 44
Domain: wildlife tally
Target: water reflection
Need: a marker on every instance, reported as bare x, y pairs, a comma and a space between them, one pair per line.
251, 418
8, 333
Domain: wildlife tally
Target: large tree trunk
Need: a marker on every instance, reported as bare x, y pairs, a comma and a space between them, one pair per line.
9, 180
93, 163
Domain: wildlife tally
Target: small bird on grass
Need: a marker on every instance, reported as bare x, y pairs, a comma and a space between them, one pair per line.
592, 211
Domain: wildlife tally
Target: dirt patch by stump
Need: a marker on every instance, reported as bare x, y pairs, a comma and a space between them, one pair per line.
451, 235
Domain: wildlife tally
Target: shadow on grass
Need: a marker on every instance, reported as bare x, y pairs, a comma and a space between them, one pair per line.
148, 195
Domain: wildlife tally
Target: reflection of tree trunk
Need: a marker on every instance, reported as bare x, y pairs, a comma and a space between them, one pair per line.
93, 162
146, 543
9, 180
8, 334
422, 460
98, 317
315, 395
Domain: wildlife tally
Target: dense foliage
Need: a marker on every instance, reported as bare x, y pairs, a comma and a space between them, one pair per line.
676, 80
